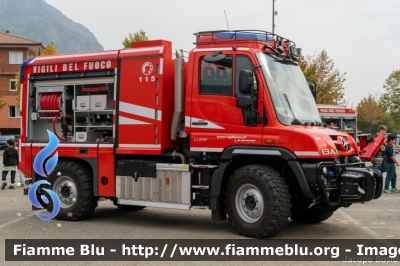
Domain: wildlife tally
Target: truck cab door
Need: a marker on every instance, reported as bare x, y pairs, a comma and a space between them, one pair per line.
215, 121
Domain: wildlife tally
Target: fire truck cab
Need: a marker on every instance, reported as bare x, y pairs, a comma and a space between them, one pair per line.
233, 129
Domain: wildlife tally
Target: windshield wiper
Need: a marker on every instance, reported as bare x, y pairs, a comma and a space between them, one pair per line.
281, 56
285, 61
273, 50
295, 120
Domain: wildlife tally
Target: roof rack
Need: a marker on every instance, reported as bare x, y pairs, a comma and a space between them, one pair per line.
218, 36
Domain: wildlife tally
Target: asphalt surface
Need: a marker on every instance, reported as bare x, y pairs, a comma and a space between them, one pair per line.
373, 220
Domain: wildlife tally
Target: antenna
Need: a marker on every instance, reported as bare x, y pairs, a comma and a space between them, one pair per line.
226, 20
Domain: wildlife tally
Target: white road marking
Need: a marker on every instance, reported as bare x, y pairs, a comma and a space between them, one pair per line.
383, 227
375, 210
16, 220
367, 230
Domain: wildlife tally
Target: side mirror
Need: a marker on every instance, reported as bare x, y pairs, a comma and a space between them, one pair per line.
244, 101
215, 57
245, 81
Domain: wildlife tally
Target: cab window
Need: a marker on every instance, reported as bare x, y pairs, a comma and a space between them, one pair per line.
216, 78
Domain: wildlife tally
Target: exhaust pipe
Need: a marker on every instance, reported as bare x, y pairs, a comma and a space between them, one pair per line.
178, 112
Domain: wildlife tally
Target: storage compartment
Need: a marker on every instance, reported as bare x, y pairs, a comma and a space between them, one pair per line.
83, 102
71, 99
80, 136
99, 102
171, 187
93, 136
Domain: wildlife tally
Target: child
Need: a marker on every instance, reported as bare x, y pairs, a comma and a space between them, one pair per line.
390, 164
10, 161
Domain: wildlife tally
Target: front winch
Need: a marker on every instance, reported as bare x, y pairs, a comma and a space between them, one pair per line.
357, 185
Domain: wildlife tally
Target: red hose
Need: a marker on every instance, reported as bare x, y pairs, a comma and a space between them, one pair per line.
54, 128
51, 101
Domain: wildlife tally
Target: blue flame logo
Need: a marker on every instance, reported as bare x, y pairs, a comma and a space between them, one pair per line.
44, 153
49, 166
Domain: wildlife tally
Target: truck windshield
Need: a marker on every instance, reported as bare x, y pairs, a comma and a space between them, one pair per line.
291, 95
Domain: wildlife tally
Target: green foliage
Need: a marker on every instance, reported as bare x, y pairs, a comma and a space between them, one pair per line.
388, 122
321, 69
389, 101
138, 36
3, 81
49, 50
18, 87
369, 114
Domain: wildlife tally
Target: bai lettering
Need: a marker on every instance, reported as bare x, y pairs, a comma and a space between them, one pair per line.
326, 151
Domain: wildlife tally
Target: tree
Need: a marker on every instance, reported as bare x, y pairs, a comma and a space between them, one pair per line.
136, 37
320, 68
369, 113
390, 100
2, 82
49, 50
18, 87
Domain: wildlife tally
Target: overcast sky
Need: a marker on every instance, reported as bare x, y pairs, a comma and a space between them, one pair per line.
361, 36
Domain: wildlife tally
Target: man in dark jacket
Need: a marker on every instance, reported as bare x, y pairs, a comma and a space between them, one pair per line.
391, 164
10, 161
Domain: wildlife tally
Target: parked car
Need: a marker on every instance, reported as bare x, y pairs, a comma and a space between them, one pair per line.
3, 141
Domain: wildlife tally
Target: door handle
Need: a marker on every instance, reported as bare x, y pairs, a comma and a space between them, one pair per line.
200, 123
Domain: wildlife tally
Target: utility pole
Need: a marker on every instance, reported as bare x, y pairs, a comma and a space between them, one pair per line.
273, 16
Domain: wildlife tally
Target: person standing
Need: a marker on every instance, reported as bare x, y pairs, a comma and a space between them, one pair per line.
10, 161
382, 129
21, 176
390, 163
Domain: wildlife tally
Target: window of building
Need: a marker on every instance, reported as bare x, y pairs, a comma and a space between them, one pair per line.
12, 85
13, 112
15, 58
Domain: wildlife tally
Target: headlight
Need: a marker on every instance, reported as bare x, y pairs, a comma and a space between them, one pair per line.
328, 176
324, 170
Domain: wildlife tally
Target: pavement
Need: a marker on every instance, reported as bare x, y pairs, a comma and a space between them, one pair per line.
377, 219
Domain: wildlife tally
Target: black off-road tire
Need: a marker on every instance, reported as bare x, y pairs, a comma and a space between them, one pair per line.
84, 203
311, 216
258, 182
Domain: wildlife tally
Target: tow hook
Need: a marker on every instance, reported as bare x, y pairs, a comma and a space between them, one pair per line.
314, 203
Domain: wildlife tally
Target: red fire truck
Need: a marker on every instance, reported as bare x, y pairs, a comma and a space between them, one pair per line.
233, 129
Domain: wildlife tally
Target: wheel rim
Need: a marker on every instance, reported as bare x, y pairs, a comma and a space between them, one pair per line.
66, 191
249, 203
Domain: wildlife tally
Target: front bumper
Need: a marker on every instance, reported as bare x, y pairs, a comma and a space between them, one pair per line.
359, 185
343, 184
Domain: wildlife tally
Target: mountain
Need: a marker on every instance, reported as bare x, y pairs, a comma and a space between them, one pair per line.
39, 21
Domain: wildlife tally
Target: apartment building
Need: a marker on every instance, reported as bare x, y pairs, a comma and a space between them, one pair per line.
13, 51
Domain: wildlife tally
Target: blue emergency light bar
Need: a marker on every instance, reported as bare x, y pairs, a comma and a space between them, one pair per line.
243, 35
